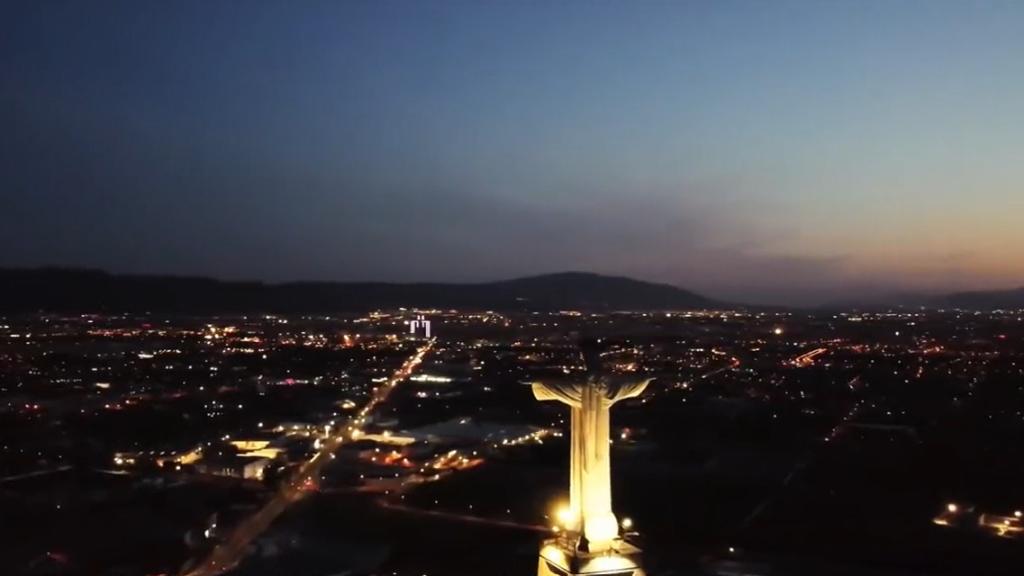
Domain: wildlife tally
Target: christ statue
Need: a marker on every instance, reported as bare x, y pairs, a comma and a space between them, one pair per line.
590, 495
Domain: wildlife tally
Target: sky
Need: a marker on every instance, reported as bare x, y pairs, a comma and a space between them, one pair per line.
768, 152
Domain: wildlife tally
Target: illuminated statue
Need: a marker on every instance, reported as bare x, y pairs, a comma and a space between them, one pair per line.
589, 517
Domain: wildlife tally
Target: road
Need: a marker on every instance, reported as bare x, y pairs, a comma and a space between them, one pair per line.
807, 359
733, 364
35, 474
802, 462
455, 516
233, 548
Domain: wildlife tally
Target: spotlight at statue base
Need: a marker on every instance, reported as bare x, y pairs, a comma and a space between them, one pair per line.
560, 557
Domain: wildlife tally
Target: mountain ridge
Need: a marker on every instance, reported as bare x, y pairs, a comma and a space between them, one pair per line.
1012, 299
56, 289
85, 290
974, 300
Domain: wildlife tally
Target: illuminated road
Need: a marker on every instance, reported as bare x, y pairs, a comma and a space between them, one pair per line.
230, 552
807, 359
733, 364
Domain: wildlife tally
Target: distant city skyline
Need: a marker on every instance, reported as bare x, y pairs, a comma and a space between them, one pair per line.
784, 152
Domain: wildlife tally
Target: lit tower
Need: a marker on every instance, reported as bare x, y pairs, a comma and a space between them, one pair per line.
591, 543
420, 322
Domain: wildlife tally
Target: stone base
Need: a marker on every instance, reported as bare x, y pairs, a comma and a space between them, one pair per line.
558, 557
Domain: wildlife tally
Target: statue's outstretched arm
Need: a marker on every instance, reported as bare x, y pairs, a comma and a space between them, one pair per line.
629, 389
565, 393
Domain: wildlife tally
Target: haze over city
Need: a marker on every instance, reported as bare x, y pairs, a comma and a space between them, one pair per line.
783, 152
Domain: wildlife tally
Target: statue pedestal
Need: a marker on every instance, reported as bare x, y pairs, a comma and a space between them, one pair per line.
559, 557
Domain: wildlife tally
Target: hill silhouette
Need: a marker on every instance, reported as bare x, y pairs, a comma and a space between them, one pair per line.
987, 299
76, 290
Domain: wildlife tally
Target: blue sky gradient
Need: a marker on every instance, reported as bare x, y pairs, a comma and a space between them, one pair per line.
794, 152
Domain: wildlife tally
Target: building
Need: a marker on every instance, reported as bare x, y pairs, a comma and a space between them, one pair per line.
234, 467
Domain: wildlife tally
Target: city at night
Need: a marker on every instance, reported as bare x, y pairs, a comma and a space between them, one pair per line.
448, 288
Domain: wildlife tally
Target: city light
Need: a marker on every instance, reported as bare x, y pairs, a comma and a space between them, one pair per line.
419, 430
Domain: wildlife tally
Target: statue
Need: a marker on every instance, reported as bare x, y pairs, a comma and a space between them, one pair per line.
589, 519
590, 488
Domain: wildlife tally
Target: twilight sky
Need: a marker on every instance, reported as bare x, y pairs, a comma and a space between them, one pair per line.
791, 152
